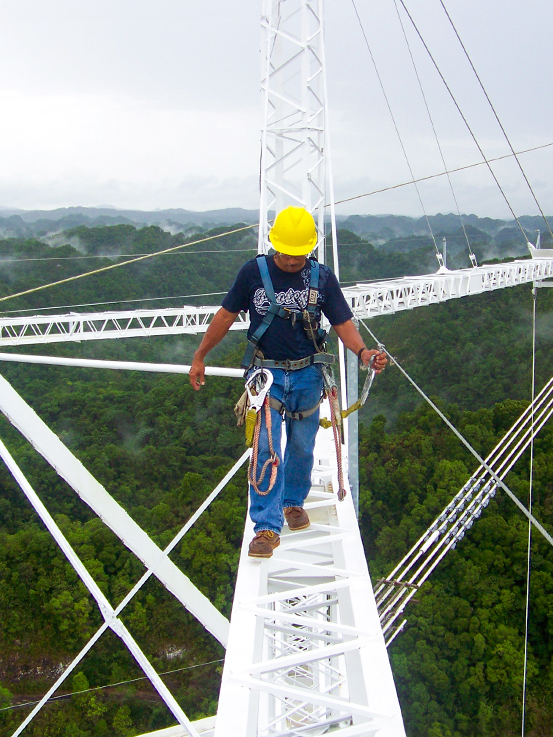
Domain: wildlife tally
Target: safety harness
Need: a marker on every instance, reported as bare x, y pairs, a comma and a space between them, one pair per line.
258, 387
257, 395
253, 356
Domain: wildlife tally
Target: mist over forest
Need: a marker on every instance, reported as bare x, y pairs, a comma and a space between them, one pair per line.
488, 237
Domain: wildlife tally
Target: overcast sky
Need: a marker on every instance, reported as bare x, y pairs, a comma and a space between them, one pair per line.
153, 104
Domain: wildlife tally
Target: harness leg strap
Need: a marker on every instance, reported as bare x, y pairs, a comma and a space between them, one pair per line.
281, 409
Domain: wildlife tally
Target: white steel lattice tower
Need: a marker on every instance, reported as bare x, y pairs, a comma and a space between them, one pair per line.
294, 160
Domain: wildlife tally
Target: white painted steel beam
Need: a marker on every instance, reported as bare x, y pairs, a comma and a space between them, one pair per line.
306, 651
395, 295
47, 443
163, 368
366, 299
107, 611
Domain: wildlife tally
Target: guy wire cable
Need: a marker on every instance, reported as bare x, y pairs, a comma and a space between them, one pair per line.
465, 121
413, 180
530, 500
496, 117
111, 685
465, 442
115, 255
441, 174
472, 256
338, 202
110, 302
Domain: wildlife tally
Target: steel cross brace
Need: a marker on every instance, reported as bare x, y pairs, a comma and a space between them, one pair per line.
110, 512
111, 619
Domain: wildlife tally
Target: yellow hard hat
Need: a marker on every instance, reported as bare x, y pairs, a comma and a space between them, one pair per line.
294, 232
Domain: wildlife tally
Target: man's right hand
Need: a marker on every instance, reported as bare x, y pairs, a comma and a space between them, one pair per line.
216, 331
197, 374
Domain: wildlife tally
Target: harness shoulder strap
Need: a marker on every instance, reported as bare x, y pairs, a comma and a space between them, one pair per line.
313, 294
266, 278
274, 308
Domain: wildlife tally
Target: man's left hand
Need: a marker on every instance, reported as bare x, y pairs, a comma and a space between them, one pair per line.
380, 360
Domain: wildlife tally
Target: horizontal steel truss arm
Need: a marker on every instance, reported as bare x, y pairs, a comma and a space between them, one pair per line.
395, 295
306, 652
76, 327
393, 594
164, 368
367, 300
110, 618
110, 512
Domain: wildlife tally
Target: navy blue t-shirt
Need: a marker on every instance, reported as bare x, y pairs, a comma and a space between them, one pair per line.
283, 339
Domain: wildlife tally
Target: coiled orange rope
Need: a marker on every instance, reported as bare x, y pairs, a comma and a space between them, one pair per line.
273, 458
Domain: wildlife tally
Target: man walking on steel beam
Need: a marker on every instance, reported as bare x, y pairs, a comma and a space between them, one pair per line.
285, 294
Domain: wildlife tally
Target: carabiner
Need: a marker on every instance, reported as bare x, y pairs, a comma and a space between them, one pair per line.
260, 382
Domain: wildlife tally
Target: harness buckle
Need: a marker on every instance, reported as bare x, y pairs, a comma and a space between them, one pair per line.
290, 315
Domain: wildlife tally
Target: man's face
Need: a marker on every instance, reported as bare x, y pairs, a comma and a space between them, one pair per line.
291, 264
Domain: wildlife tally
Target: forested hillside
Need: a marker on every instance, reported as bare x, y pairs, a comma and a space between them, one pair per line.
159, 448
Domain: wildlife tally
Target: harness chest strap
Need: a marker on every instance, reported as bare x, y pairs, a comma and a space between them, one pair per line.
313, 294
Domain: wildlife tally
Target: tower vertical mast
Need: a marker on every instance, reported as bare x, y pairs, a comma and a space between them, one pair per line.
293, 154
295, 165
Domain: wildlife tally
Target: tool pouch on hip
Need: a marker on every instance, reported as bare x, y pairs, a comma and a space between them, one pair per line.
240, 409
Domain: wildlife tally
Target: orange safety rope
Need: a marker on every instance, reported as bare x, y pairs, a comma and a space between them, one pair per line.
273, 458
333, 402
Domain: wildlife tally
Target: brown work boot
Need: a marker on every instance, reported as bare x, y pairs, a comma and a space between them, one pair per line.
297, 518
263, 544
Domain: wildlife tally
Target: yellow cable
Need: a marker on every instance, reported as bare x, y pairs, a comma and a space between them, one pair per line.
124, 263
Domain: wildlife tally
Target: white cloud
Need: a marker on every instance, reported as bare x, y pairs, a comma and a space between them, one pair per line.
89, 149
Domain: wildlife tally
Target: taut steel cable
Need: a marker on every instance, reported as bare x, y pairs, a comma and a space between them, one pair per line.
413, 180
446, 172
465, 121
442, 174
530, 501
466, 443
124, 263
496, 117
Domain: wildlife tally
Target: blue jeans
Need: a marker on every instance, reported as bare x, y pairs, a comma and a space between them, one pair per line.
299, 391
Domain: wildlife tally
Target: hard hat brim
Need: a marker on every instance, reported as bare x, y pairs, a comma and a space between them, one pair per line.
292, 250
